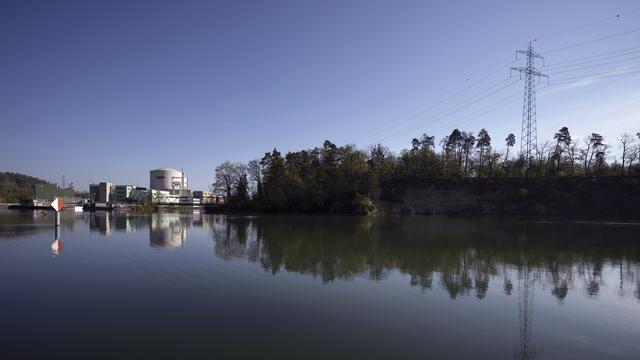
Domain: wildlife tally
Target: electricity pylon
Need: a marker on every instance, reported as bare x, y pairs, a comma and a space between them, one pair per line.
529, 135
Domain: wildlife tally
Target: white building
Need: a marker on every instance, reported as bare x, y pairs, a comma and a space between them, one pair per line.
170, 180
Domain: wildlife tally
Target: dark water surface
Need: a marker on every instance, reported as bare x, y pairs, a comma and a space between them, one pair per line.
300, 287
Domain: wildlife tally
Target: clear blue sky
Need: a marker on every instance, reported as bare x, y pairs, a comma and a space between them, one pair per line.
108, 90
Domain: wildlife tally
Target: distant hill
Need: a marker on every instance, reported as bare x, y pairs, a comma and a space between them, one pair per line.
15, 187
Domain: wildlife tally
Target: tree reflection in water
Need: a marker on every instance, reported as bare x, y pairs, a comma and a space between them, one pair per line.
461, 255
492, 262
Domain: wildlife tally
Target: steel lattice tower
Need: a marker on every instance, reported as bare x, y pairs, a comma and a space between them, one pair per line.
529, 135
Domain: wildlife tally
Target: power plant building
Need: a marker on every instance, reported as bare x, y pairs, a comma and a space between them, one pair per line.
169, 186
170, 180
166, 187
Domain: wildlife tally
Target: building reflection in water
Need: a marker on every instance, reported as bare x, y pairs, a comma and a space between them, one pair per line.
100, 221
169, 230
165, 229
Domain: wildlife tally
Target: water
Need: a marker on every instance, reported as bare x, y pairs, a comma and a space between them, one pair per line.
298, 287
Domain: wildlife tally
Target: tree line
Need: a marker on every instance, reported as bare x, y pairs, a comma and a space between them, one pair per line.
16, 187
345, 178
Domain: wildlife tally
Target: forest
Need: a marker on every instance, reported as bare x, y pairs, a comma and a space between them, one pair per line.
15, 187
344, 178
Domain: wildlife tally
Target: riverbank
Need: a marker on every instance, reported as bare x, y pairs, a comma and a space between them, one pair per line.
571, 196
562, 196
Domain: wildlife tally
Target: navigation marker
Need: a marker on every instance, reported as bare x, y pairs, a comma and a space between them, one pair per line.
57, 204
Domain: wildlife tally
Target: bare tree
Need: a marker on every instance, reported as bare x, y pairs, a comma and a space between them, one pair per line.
543, 153
594, 149
626, 142
225, 178
572, 154
585, 154
633, 154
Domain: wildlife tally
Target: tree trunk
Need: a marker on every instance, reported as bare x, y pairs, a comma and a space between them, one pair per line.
624, 155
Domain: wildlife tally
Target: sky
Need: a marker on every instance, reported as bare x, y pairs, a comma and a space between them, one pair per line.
108, 90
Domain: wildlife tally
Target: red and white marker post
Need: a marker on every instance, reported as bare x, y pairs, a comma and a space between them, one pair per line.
57, 204
56, 246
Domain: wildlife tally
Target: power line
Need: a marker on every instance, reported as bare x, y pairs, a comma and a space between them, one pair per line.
486, 110
476, 114
576, 62
596, 76
452, 111
471, 97
596, 65
631, 49
439, 102
617, 16
591, 41
472, 100
512, 99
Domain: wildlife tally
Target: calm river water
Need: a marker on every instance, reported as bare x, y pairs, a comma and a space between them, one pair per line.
299, 287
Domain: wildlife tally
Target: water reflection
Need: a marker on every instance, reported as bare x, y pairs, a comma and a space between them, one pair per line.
101, 222
461, 256
169, 230
522, 266
57, 245
20, 223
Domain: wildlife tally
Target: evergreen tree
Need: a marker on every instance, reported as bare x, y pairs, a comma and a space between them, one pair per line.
483, 144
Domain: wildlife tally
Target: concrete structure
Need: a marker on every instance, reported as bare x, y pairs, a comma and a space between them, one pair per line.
170, 180
101, 192
207, 197
122, 193
164, 197
139, 195
168, 230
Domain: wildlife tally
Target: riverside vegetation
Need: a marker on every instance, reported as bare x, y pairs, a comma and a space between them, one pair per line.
16, 187
335, 178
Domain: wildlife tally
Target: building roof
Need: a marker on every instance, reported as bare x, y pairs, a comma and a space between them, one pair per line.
166, 169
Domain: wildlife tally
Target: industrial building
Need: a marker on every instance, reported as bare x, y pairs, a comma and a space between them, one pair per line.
170, 180
123, 194
170, 186
101, 192
207, 197
166, 187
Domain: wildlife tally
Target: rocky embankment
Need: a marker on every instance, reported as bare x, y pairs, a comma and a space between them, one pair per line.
576, 196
